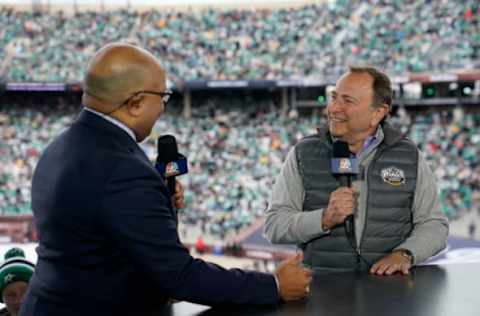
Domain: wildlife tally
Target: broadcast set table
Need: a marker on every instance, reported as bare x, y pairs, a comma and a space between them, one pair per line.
431, 290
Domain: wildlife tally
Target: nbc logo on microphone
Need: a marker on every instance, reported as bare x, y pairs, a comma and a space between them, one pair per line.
345, 165
172, 169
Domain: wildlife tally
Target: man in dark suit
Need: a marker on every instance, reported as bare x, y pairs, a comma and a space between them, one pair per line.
107, 230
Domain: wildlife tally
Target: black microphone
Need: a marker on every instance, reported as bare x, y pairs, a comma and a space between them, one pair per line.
170, 163
343, 168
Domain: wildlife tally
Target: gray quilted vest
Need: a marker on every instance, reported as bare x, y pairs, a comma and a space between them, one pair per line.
392, 176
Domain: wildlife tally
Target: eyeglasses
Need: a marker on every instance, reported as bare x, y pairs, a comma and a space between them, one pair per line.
165, 95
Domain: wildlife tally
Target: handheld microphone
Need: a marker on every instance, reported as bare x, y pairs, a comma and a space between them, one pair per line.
343, 168
170, 163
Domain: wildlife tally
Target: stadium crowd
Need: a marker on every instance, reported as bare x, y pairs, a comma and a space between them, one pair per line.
235, 153
310, 42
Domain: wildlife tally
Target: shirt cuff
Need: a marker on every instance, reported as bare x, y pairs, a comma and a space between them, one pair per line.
278, 285
310, 225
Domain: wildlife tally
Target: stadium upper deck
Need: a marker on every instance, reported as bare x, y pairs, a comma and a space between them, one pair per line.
143, 5
308, 42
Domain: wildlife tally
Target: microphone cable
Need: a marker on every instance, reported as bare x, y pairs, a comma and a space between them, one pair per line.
350, 234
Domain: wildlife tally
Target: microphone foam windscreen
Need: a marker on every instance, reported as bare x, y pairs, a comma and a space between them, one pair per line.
340, 150
167, 149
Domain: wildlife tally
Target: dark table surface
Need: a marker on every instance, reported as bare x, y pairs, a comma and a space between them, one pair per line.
447, 290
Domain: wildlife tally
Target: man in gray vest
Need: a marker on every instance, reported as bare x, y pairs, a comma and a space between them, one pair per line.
397, 217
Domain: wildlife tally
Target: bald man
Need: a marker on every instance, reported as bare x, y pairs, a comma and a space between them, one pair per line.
107, 229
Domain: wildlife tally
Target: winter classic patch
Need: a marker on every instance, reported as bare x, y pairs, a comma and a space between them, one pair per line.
393, 176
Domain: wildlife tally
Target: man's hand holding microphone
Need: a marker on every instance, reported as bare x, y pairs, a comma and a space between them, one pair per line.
178, 197
341, 204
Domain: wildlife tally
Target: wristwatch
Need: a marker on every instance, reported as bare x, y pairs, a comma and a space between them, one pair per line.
406, 254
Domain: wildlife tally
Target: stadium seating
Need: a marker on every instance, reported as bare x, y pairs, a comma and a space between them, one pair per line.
235, 154
308, 42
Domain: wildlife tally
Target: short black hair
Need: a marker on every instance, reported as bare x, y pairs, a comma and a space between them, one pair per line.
382, 86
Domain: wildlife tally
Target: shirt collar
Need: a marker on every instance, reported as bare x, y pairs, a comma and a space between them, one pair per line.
371, 142
372, 139
114, 121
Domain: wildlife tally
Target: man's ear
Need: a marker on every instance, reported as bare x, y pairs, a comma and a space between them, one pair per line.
379, 113
135, 105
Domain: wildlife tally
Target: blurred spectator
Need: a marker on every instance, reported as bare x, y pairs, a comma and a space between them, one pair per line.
471, 230
15, 274
200, 246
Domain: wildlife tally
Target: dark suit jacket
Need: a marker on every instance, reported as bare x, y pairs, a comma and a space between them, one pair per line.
108, 234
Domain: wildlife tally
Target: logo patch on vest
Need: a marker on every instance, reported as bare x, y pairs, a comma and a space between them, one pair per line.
393, 176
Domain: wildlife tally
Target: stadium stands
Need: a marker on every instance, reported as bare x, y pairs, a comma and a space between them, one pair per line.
235, 150
308, 42
235, 153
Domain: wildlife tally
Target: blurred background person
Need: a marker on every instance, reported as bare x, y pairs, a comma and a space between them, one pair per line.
15, 274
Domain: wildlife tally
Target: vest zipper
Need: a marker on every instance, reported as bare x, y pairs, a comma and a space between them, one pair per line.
371, 166
366, 176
